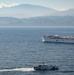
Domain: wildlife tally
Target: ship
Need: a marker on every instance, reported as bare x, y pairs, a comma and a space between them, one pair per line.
45, 67
58, 39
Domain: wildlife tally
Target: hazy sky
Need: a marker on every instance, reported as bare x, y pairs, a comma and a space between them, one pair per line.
57, 4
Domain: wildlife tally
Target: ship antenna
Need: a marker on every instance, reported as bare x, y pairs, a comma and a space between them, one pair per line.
43, 63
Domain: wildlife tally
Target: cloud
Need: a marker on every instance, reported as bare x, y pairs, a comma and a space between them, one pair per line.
61, 9
8, 5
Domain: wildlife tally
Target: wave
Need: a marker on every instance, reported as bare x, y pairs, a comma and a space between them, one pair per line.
66, 71
17, 69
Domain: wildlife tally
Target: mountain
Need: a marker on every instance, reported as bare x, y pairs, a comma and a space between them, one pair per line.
34, 15
38, 21
69, 12
25, 10
28, 10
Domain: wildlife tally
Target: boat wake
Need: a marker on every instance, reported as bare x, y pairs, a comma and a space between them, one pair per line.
17, 69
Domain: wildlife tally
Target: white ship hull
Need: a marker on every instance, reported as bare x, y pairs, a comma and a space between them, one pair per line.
57, 40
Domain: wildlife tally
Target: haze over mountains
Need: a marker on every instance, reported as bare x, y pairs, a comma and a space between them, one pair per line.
25, 10
29, 15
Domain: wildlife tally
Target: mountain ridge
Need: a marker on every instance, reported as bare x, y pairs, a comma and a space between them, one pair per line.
28, 10
25, 10
38, 21
23, 15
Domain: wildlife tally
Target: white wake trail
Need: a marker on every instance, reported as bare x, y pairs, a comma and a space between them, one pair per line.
17, 69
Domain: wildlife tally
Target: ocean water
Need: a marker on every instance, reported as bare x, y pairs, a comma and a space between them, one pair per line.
21, 48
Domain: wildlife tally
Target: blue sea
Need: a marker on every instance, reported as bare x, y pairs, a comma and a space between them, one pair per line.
21, 48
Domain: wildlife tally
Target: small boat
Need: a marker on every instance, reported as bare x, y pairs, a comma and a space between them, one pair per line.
43, 67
